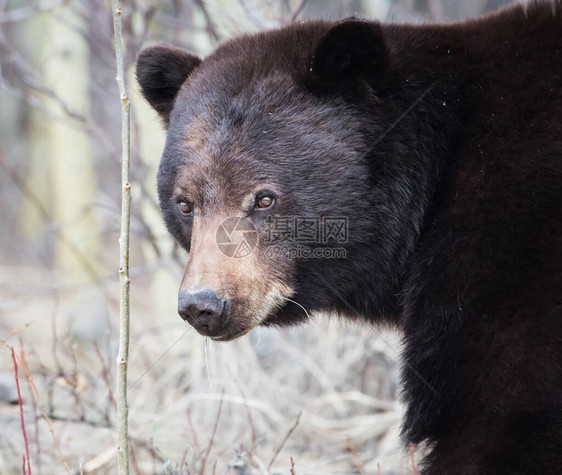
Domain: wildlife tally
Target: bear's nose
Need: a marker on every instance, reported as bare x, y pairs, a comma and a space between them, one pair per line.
203, 309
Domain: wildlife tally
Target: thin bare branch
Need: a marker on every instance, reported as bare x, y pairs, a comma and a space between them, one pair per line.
124, 279
211, 441
436, 9
51, 428
291, 430
22, 420
38, 204
211, 28
297, 11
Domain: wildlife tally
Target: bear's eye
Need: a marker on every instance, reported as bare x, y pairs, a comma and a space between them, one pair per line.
264, 201
185, 208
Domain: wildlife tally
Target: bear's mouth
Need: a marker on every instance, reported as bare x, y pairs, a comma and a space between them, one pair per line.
230, 336
230, 329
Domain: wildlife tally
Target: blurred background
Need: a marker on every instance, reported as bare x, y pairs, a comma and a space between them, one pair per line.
316, 400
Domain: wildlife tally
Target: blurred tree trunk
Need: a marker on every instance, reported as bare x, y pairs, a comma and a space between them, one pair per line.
72, 168
32, 223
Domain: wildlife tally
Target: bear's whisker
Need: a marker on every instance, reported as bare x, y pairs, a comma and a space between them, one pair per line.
259, 337
207, 364
296, 303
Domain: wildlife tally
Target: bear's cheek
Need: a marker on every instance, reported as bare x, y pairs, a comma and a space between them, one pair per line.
254, 303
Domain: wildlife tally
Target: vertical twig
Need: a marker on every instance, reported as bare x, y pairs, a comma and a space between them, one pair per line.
356, 457
211, 28
291, 430
21, 416
297, 11
193, 433
124, 280
105, 372
248, 409
411, 450
211, 441
55, 340
35, 414
436, 10
134, 463
41, 405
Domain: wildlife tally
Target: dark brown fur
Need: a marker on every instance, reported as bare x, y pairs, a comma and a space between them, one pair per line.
442, 144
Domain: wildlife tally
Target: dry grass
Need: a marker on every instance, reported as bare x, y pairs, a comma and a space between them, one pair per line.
314, 400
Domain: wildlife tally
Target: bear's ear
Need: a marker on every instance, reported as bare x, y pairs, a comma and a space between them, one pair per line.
161, 70
351, 50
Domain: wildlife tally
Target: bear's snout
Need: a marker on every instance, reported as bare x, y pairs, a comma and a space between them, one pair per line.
204, 310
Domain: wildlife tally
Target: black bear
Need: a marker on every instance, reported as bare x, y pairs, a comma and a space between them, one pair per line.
435, 152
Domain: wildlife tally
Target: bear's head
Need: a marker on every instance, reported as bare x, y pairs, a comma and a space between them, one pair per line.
278, 178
